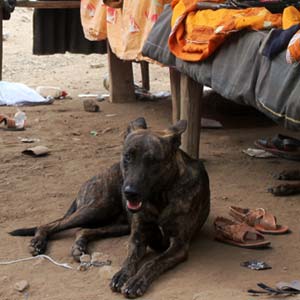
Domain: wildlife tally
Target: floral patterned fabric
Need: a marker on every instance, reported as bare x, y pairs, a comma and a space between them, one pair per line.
126, 29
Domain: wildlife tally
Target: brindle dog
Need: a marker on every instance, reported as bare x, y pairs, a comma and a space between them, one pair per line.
157, 192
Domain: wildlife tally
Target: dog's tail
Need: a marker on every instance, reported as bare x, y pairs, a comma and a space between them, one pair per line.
24, 232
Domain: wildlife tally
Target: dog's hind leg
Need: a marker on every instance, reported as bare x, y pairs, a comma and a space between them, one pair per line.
84, 236
85, 216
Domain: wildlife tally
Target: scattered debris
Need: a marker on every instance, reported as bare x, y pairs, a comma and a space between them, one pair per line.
15, 123
19, 94
88, 96
21, 286
5, 36
108, 129
96, 66
258, 153
51, 92
102, 97
256, 265
43, 256
29, 140
93, 133
97, 260
36, 151
282, 289
91, 105
76, 133
145, 95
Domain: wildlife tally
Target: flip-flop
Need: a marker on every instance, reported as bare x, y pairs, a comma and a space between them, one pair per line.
258, 218
281, 145
238, 234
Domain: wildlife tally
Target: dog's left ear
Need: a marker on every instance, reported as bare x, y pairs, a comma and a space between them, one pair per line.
139, 123
175, 132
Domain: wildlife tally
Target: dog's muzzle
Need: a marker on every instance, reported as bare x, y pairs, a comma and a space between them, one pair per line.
133, 198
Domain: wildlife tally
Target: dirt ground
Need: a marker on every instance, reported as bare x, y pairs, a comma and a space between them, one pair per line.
38, 190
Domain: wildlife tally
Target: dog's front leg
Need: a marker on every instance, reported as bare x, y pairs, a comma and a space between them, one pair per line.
137, 285
136, 251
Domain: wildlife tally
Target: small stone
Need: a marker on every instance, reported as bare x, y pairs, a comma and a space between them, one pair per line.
85, 259
22, 285
91, 105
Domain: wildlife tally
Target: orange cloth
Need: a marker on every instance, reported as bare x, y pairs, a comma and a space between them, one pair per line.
196, 34
291, 16
126, 29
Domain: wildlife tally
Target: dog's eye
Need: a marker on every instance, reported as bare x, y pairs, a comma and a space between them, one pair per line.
127, 157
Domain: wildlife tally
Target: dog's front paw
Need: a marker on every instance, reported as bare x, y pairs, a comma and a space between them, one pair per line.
135, 287
79, 248
38, 245
119, 279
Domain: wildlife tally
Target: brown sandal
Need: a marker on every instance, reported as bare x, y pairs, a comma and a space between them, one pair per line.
239, 234
259, 218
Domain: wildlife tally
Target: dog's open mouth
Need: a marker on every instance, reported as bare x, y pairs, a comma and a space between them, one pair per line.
134, 205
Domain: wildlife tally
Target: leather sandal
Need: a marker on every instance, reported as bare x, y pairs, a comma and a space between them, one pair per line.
239, 234
258, 218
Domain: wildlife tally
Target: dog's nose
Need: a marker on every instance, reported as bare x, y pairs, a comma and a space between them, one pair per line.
131, 192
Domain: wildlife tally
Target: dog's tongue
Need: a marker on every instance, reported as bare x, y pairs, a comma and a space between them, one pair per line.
134, 205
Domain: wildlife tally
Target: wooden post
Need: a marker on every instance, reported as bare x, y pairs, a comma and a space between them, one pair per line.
1, 39
190, 110
175, 91
121, 86
145, 75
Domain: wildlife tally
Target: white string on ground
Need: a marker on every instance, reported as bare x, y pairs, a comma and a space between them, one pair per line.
64, 265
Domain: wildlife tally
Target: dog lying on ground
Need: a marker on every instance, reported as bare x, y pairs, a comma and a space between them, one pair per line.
156, 192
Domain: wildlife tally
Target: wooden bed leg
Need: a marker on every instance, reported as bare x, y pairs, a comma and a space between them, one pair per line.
190, 110
1, 40
121, 87
145, 75
175, 91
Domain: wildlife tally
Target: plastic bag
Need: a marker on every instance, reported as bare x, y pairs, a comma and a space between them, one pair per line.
18, 94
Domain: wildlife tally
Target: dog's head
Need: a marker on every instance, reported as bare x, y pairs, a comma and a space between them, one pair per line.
148, 161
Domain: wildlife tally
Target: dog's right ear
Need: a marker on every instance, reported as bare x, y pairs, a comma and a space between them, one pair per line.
139, 123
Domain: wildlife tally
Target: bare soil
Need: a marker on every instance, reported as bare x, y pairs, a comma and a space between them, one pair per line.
38, 190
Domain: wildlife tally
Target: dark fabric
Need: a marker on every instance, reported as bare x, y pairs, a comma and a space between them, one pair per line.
8, 7
60, 31
238, 72
278, 40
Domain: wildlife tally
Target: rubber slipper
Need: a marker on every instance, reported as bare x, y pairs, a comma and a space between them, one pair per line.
281, 145
258, 218
238, 234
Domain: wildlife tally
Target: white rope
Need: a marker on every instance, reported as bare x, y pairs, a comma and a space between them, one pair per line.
64, 265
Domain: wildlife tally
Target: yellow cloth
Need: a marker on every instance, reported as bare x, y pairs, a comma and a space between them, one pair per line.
196, 34
126, 29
